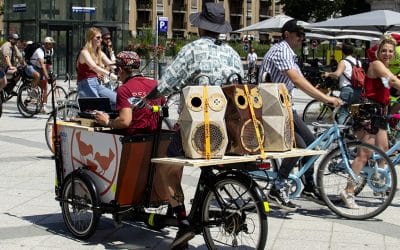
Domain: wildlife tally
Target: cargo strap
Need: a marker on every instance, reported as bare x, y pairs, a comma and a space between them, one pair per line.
206, 124
254, 119
286, 100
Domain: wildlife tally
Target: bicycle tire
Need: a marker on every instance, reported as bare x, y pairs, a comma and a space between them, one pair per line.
78, 202
372, 198
73, 96
59, 95
63, 112
316, 111
28, 100
232, 224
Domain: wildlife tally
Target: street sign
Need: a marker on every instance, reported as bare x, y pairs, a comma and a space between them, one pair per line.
19, 7
162, 24
246, 47
89, 10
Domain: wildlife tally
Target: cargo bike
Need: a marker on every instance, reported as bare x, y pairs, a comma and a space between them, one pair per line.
101, 172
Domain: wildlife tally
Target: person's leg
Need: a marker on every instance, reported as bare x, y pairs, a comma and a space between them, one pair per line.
88, 88
3, 80
106, 92
347, 95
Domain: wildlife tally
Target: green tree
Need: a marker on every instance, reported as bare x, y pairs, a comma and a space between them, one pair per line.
351, 7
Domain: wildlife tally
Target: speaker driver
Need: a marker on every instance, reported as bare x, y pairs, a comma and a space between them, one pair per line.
248, 136
217, 102
240, 99
195, 102
216, 136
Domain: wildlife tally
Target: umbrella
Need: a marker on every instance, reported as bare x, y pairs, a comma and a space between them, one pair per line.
378, 20
272, 24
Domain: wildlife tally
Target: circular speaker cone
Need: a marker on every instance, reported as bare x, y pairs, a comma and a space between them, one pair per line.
240, 98
216, 139
195, 102
257, 99
248, 136
217, 102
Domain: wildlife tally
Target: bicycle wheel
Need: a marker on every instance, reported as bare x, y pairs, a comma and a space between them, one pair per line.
73, 96
63, 113
59, 95
372, 197
28, 100
77, 206
316, 111
233, 216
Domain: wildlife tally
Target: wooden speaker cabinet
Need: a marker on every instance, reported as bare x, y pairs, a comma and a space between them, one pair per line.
192, 122
277, 117
238, 119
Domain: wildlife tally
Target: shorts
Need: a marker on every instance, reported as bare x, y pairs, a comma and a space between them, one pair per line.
29, 70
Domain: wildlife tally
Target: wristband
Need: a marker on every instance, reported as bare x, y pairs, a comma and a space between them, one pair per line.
109, 123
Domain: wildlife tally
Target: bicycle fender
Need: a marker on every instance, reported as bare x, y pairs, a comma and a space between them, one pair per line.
82, 173
297, 182
248, 180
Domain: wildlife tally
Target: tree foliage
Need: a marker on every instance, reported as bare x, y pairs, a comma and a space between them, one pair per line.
319, 10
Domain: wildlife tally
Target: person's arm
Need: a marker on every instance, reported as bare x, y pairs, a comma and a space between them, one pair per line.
379, 70
339, 71
105, 59
7, 56
85, 57
123, 120
309, 89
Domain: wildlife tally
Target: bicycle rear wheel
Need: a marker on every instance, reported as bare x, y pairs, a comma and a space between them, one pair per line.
316, 111
63, 113
29, 100
372, 197
233, 216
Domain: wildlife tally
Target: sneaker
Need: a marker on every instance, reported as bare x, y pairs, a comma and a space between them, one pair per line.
348, 199
45, 110
184, 234
312, 194
281, 199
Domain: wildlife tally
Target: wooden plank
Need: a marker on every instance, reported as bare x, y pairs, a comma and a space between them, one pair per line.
77, 125
181, 161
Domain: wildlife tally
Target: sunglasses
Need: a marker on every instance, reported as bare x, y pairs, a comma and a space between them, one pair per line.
97, 37
107, 38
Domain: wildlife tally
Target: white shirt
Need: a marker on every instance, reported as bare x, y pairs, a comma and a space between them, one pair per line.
343, 81
38, 54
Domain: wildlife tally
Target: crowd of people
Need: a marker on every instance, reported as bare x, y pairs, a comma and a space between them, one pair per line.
97, 62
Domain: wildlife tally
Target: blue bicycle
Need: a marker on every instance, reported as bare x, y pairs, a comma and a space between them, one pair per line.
335, 171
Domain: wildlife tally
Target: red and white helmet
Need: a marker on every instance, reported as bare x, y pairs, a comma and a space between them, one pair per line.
126, 59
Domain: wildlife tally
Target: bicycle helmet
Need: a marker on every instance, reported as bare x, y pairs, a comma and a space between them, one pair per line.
128, 59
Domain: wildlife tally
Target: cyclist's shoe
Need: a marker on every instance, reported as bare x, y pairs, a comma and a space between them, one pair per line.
184, 234
281, 199
348, 199
312, 194
45, 110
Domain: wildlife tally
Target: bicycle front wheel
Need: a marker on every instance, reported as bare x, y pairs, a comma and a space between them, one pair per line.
28, 100
375, 186
316, 111
233, 216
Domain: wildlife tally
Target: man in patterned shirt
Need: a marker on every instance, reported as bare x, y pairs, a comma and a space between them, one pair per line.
208, 56
280, 65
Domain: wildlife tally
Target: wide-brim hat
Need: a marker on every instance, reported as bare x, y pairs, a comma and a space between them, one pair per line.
212, 18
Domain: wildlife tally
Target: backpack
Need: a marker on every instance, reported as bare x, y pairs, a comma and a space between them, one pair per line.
357, 75
30, 50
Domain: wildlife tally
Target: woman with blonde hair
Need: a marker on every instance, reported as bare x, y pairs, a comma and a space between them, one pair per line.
90, 66
378, 81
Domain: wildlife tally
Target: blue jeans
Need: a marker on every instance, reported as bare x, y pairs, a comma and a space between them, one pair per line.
91, 87
349, 95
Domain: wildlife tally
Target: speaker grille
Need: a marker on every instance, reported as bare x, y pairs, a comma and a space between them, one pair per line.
216, 139
248, 136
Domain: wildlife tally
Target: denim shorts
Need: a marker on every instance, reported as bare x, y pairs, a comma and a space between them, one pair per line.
90, 87
29, 70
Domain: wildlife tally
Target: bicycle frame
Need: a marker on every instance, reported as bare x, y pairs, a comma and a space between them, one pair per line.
321, 143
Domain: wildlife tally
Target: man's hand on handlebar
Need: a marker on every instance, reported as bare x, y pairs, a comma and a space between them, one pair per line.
334, 101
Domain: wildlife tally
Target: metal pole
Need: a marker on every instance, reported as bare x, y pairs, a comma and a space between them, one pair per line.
156, 51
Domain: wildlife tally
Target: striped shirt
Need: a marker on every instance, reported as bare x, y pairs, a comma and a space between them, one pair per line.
202, 56
279, 58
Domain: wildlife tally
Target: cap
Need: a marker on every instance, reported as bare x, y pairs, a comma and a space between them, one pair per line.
49, 39
14, 36
104, 31
128, 59
29, 42
293, 26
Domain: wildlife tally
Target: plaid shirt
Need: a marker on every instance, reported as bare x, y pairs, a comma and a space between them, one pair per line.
202, 56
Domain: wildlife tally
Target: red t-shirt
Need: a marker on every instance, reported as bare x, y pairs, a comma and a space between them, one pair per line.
143, 120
